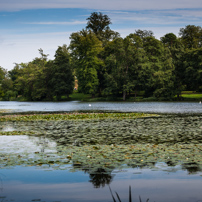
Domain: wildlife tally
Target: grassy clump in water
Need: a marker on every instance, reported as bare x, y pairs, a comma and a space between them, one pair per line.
73, 116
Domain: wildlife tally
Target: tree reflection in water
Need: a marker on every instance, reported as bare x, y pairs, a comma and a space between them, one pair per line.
1, 191
192, 168
100, 178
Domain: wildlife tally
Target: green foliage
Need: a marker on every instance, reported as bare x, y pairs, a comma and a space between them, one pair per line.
85, 48
99, 24
80, 96
192, 96
61, 73
42, 79
192, 65
191, 36
107, 65
123, 64
6, 85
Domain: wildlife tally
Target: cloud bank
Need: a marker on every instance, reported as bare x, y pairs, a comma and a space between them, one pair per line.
15, 5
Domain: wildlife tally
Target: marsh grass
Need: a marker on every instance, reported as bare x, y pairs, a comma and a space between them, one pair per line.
129, 199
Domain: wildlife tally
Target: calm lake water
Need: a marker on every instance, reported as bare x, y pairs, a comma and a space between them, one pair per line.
153, 107
23, 184
161, 183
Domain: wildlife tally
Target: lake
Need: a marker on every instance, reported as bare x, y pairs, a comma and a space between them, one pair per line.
36, 168
152, 107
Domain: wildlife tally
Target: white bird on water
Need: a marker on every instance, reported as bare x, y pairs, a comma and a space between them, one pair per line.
89, 105
200, 102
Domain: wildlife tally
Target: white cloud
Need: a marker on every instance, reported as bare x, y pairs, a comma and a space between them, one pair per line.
97, 4
160, 17
58, 23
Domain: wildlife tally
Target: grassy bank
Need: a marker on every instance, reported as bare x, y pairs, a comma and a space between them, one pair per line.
185, 96
140, 97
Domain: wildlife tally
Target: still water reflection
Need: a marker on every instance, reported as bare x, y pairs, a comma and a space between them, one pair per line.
162, 182
157, 107
31, 184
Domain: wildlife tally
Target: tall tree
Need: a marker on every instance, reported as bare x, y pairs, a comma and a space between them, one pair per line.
29, 79
160, 80
86, 47
61, 73
176, 48
99, 23
123, 65
144, 33
2, 76
191, 36
192, 64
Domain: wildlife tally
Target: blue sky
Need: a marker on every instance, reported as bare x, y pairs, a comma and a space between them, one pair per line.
28, 25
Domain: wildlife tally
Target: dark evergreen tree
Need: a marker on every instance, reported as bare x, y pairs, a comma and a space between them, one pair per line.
61, 73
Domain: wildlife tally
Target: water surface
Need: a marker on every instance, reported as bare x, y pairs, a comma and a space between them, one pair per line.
20, 182
24, 184
153, 107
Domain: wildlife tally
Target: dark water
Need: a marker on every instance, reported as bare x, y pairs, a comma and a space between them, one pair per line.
153, 107
161, 183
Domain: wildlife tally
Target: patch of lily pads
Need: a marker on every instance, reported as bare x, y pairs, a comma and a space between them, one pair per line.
102, 142
71, 116
119, 131
109, 157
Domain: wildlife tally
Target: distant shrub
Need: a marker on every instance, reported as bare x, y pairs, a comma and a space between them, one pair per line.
150, 99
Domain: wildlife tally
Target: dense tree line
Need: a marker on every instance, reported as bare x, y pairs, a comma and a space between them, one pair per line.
108, 65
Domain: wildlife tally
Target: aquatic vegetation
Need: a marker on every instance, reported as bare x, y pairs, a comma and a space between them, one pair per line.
153, 130
72, 116
94, 159
100, 145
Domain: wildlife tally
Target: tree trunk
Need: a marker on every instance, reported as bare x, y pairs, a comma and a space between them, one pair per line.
124, 95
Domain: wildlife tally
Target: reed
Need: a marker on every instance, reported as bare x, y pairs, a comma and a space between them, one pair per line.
130, 196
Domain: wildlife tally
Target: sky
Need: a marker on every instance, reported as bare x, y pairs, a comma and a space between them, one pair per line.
29, 25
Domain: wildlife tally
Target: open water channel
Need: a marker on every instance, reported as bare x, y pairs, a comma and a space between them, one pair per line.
38, 168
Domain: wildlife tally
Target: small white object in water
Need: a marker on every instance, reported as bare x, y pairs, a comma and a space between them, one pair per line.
89, 105
200, 102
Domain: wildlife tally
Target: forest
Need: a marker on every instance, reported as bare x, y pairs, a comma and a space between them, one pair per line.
109, 67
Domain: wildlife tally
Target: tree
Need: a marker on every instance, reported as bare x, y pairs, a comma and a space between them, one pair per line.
2, 73
86, 47
99, 25
98, 22
30, 79
61, 73
123, 64
176, 48
160, 76
192, 64
191, 36
169, 40
6, 85
144, 33
2, 76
